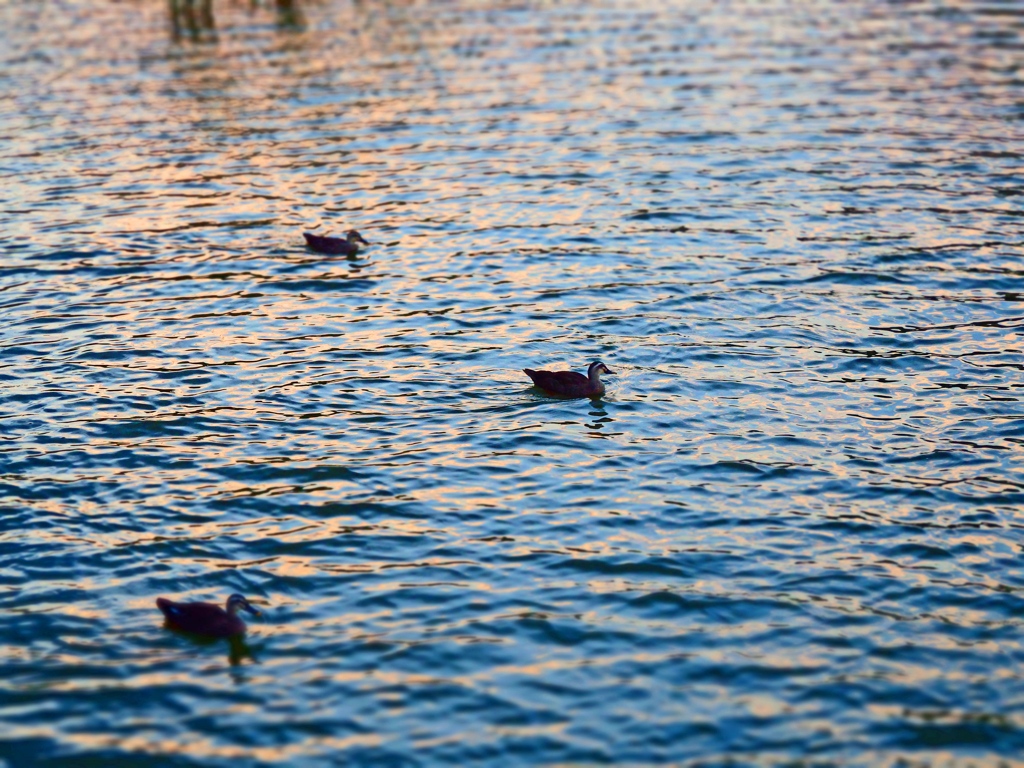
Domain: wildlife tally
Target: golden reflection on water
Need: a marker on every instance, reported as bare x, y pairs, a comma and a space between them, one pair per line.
204, 747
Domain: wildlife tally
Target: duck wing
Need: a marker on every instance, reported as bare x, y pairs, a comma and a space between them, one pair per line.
332, 245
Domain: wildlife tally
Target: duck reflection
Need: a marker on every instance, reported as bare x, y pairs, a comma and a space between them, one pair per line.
600, 415
238, 649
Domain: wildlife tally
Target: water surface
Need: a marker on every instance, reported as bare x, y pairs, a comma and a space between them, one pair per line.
790, 533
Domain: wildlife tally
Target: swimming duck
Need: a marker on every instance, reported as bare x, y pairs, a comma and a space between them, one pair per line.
570, 383
335, 246
207, 618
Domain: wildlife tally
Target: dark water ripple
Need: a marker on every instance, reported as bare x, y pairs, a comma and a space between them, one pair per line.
789, 532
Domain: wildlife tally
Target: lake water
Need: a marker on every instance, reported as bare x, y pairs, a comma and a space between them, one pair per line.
789, 534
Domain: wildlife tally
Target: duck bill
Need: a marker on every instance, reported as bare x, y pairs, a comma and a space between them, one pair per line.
251, 609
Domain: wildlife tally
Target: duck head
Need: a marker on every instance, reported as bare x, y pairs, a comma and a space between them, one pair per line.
596, 369
236, 602
354, 237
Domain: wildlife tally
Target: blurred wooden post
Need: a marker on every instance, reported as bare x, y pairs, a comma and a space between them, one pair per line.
186, 17
288, 13
195, 17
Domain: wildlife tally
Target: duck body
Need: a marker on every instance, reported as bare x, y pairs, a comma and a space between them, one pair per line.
206, 618
335, 246
570, 383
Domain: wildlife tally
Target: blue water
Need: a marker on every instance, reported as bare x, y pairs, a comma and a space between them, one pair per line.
789, 534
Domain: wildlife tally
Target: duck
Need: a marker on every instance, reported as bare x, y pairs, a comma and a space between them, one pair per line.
336, 246
206, 618
570, 383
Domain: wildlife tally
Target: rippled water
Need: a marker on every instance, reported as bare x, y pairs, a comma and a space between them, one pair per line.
790, 533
